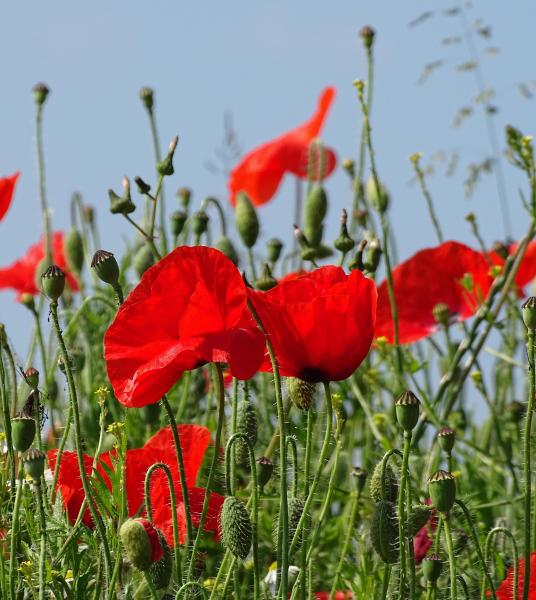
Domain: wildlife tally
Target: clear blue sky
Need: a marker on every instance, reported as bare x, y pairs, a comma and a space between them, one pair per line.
267, 62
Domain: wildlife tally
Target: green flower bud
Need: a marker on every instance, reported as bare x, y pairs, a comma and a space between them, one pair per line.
344, 243
357, 260
147, 97
442, 490
246, 423
121, 205
105, 266
160, 571
143, 259
360, 477
22, 432
141, 542
322, 251
31, 377
431, 567
246, 220
265, 469
74, 251
367, 35
53, 283
389, 490
446, 438
349, 166
419, 517
273, 249
316, 206
528, 310
28, 301
165, 166
225, 246
199, 222
378, 199
184, 195
143, 187
34, 463
178, 219
300, 392
236, 528
407, 409
384, 531
266, 281
40, 93
372, 256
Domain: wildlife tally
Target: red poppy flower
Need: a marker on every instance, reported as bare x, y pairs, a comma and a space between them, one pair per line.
321, 325
7, 187
260, 172
505, 590
21, 274
292, 276
187, 310
430, 277
338, 595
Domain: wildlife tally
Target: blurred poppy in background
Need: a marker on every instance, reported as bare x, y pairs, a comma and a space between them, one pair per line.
7, 188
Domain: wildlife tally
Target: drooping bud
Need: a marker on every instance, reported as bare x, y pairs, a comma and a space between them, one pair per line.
300, 392
178, 219
419, 517
53, 283
226, 246
367, 35
344, 243
273, 249
446, 438
147, 97
160, 571
165, 166
143, 187
247, 222
528, 310
384, 531
199, 222
74, 251
265, 469
407, 407
40, 93
372, 256
442, 490
34, 463
184, 195
143, 259
31, 375
266, 281
236, 528
121, 205
388, 490
431, 567
141, 542
23, 432
360, 477
105, 266
316, 206
246, 424
441, 313
379, 199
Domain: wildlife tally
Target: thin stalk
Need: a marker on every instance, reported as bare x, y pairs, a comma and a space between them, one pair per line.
42, 184
15, 534
150, 585
146, 236
13, 375
162, 215
191, 584
402, 530
452, 558
43, 534
7, 424
429, 202
527, 458
306, 477
489, 539
386, 580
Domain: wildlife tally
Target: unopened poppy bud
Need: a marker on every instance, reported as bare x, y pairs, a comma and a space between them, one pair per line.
349, 166
226, 246
407, 408
184, 195
372, 256
344, 243
236, 529
28, 301
247, 222
199, 222
31, 376
442, 490
53, 282
165, 166
74, 250
386, 489
143, 259
141, 543
177, 219
22, 432
367, 35
273, 249
266, 281
360, 477
528, 310
147, 97
40, 93
120, 205
431, 567
441, 313
378, 198
265, 469
246, 424
105, 266
34, 463
446, 438
384, 531
419, 517
300, 392
160, 571
143, 187
316, 206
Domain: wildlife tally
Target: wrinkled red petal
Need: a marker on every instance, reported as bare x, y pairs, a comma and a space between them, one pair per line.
157, 552
505, 590
321, 324
187, 310
430, 277
7, 188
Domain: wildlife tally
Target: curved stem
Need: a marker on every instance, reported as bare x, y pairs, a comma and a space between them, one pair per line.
219, 208
187, 586
489, 539
527, 459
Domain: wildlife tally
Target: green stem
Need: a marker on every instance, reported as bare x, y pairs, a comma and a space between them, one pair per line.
429, 202
190, 584
146, 236
402, 529
152, 590
13, 375
452, 558
489, 539
7, 424
219, 208
386, 580
156, 145
527, 458
61, 447
15, 534
43, 532
251, 260
306, 476
42, 185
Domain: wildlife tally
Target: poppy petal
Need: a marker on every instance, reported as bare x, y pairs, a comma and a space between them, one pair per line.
7, 188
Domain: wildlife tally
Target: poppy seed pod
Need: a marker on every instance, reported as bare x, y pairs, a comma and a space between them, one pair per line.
143, 259
177, 219
22, 432
165, 166
273, 249
389, 489
31, 376
246, 424
247, 222
74, 250
407, 408
360, 477
40, 93
344, 243
379, 199
265, 469
442, 490
226, 246
199, 222
446, 438
105, 266
300, 392
236, 528
528, 310
120, 205
147, 97
419, 517
307, 251
384, 531
141, 542
53, 283
316, 206
160, 571
34, 463
266, 281
431, 567
372, 255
